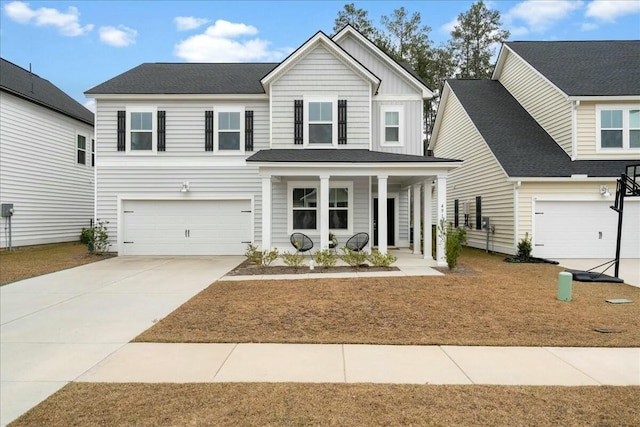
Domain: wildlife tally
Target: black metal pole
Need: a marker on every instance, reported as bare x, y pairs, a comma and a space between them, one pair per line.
622, 191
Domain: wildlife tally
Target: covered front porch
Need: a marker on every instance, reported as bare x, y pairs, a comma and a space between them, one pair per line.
343, 192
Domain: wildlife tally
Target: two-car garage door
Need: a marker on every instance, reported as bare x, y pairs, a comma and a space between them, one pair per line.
585, 229
179, 227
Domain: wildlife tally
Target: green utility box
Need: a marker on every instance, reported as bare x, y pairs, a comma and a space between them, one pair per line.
565, 280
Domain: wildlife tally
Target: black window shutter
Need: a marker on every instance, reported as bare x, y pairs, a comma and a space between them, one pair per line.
248, 131
456, 209
161, 131
298, 121
122, 130
208, 130
478, 212
342, 121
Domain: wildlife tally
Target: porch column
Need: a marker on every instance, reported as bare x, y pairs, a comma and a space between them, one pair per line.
382, 213
266, 213
428, 219
416, 219
441, 185
324, 212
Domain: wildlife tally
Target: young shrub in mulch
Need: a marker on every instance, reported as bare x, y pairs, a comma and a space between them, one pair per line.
295, 260
325, 258
379, 259
353, 258
524, 253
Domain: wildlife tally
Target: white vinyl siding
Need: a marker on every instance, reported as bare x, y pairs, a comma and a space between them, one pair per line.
479, 175
412, 127
546, 104
320, 74
52, 194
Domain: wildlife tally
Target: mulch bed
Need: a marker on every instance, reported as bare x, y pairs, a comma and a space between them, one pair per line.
247, 268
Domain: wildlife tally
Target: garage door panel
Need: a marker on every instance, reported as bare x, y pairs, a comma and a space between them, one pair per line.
584, 229
202, 227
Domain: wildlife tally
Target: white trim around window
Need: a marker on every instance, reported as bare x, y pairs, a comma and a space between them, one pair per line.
618, 127
228, 127
313, 190
143, 120
316, 105
83, 150
392, 125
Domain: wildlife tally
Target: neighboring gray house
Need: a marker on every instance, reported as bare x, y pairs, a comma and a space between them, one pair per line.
205, 158
46, 160
543, 143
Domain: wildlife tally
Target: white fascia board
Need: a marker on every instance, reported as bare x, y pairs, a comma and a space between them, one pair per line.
561, 179
357, 169
502, 57
319, 38
187, 96
348, 29
441, 105
635, 98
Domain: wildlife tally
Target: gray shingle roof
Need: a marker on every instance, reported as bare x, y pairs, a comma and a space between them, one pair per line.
188, 78
586, 68
339, 156
20, 82
521, 145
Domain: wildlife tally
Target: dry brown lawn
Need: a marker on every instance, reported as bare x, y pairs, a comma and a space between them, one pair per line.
501, 304
31, 261
82, 404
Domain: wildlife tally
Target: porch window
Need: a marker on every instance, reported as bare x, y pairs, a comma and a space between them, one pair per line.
339, 208
305, 208
391, 119
618, 127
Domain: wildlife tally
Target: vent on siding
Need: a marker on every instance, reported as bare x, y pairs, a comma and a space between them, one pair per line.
122, 130
208, 130
161, 131
342, 121
248, 130
298, 121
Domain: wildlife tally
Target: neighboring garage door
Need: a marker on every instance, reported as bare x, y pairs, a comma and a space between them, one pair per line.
177, 227
567, 229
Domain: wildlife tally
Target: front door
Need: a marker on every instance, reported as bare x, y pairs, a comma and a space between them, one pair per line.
391, 222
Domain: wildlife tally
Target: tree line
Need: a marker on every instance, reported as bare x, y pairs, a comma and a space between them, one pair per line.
403, 36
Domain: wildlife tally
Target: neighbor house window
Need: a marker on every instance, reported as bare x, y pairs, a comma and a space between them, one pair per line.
93, 152
229, 130
392, 125
618, 127
304, 206
81, 150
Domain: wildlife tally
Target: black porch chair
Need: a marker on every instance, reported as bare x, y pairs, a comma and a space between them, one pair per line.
357, 242
301, 242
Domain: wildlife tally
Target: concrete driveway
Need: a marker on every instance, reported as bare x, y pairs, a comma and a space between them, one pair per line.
57, 326
629, 268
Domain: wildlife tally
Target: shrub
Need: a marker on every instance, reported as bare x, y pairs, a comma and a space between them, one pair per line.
353, 258
293, 259
326, 258
379, 259
86, 236
261, 258
98, 237
454, 238
524, 247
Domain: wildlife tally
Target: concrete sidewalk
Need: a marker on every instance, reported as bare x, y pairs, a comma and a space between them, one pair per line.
347, 363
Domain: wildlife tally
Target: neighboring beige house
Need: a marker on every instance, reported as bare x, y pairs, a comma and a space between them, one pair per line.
543, 142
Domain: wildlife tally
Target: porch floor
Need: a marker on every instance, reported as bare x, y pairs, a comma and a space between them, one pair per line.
408, 264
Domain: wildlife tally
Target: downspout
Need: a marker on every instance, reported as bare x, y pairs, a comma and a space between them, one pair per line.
574, 129
516, 220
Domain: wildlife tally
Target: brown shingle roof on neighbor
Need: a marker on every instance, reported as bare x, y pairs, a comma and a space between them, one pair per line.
188, 78
20, 82
340, 156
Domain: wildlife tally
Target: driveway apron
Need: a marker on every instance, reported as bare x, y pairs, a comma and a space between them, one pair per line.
57, 326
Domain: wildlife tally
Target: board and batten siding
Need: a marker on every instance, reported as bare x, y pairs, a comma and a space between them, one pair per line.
558, 190
52, 194
546, 104
412, 118
479, 175
280, 216
321, 74
587, 133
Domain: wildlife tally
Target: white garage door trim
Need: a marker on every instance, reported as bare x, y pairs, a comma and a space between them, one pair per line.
584, 229
193, 226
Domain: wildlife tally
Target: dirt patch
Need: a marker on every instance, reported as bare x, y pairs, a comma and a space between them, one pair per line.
247, 268
502, 304
81, 404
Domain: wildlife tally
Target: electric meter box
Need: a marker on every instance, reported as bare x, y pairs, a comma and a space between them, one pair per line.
7, 210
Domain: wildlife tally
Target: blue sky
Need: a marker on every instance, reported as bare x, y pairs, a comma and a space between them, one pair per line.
79, 44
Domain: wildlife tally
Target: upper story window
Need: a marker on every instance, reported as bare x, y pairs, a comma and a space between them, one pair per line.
618, 127
141, 130
320, 122
229, 130
81, 150
392, 129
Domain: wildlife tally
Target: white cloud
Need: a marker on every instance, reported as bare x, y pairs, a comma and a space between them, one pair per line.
119, 37
227, 42
608, 10
185, 23
67, 23
90, 105
449, 26
588, 26
539, 15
